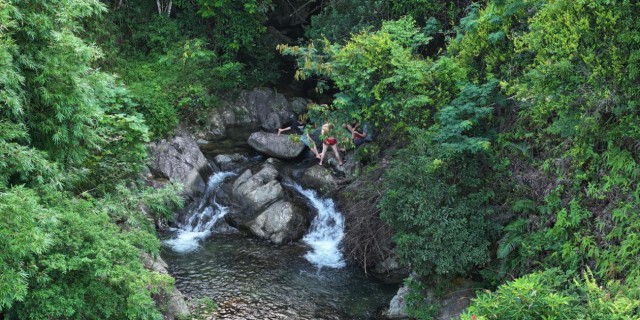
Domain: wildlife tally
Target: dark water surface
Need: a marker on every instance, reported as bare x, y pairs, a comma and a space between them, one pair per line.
252, 279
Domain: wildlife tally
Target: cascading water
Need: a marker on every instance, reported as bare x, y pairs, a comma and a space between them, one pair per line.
326, 232
202, 218
252, 279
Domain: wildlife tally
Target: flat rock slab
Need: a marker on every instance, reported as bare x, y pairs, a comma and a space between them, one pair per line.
279, 146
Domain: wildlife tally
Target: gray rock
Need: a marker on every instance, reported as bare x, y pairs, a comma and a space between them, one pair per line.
228, 162
244, 177
398, 303
174, 301
457, 298
279, 146
391, 270
299, 105
264, 195
260, 106
248, 182
177, 307
281, 222
319, 178
180, 160
266, 214
451, 301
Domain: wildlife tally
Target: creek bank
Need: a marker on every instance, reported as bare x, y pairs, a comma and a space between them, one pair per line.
175, 160
450, 299
172, 302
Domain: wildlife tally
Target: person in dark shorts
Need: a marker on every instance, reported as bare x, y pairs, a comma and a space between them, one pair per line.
300, 127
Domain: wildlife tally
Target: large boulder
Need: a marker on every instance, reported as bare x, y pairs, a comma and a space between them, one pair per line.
265, 211
260, 107
319, 178
180, 160
228, 162
248, 182
279, 146
281, 222
264, 195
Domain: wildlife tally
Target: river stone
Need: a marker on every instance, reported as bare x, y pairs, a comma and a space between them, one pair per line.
228, 162
274, 145
320, 179
180, 160
264, 195
398, 303
248, 182
281, 222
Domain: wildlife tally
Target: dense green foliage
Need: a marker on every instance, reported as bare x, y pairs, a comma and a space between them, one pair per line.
380, 77
522, 133
553, 295
341, 18
69, 140
437, 198
516, 125
178, 68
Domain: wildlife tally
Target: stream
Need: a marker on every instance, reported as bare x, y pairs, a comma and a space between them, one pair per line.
254, 279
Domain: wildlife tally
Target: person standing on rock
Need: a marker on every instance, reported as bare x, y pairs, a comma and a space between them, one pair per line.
299, 126
331, 141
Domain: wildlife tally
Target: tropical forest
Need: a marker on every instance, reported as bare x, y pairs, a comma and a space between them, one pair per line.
320, 159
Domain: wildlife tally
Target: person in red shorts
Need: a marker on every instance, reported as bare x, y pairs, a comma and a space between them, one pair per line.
329, 141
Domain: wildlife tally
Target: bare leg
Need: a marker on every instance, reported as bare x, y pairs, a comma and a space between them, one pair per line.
324, 150
337, 153
314, 149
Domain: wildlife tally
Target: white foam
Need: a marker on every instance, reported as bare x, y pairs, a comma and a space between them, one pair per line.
202, 219
186, 241
326, 232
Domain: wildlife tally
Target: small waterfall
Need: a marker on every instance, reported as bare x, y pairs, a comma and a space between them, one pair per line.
326, 232
201, 219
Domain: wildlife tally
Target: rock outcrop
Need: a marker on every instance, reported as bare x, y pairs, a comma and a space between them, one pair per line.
173, 303
180, 160
451, 302
260, 107
281, 222
279, 146
266, 213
